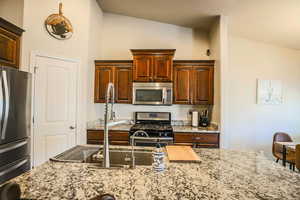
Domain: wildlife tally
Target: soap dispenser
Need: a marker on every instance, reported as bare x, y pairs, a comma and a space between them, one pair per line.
158, 159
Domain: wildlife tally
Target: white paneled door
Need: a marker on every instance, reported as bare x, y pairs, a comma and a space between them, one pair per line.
54, 107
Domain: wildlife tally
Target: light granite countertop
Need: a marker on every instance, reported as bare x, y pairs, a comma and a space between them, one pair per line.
99, 125
121, 127
222, 175
190, 129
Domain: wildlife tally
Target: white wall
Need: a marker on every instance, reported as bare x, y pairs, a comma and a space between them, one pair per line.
95, 52
85, 16
122, 33
224, 79
252, 126
12, 11
215, 49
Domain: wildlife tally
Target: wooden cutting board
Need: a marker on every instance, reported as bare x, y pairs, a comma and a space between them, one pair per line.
182, 154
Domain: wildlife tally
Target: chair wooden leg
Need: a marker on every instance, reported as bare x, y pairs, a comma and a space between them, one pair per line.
277, 160
290, 166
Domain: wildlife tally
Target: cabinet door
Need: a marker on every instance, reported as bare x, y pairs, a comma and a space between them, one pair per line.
9, 48
119, 138
206, 140
142, 71
203, 85
162, 68
115, 137
95, 137
182, 85
183, 138
123, 84
103, 76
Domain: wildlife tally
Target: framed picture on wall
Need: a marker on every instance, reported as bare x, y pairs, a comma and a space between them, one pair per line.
269, 92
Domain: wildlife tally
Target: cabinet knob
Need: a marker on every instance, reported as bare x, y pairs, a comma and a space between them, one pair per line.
72, 127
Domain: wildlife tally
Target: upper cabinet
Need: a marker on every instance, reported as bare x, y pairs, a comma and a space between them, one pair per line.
117, 72
194, 82
153, 65
203, 89
123, 84
103, 76
142, 68
183, 84
10, 36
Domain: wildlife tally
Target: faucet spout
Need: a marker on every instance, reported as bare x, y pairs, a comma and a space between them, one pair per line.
109, 98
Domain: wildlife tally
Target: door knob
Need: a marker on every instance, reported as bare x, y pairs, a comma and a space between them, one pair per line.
72, 127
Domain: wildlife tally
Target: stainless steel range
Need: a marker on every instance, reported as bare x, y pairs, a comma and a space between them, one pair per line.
154, 127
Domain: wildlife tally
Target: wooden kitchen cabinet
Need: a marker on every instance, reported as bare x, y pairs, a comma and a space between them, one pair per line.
123, 84
205, 140
183, 139
115, 137
182, 85
142, 68
103, 76
162, 68
153, 65
193, 82
117, 72
203, 88
10, 37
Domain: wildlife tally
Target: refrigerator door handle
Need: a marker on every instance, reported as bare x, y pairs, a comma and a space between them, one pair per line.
15, 146
7, 101
6, 171
1, 106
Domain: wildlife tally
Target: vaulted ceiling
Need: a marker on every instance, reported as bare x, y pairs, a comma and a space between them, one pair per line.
272, 21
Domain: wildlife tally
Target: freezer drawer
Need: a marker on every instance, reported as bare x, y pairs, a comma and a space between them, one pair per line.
15, 169
14, 151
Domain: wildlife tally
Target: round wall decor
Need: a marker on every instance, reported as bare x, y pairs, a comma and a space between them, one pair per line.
58, 26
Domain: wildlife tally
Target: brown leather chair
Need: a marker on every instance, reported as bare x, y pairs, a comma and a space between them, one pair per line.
277, 149
298, 156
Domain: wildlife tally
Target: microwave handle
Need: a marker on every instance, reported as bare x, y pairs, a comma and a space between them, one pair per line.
164, 95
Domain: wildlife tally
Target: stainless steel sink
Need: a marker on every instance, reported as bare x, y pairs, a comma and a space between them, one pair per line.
119, 157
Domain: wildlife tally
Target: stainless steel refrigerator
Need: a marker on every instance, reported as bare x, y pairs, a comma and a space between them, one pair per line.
15, 122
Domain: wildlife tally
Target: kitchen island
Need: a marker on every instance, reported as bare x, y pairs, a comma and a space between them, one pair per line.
222, 174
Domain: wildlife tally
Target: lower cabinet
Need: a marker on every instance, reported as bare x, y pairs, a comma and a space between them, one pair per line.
203, 140
206, 140
115, 137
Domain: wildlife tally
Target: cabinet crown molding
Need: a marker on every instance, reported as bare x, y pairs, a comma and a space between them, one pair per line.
113, 62
195, 62
153, 51
10, 27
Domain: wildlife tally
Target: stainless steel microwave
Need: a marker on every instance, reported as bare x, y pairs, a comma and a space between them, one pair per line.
152, 93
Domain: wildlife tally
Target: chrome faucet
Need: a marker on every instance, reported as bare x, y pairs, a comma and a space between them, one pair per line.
109, 98
136, 135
